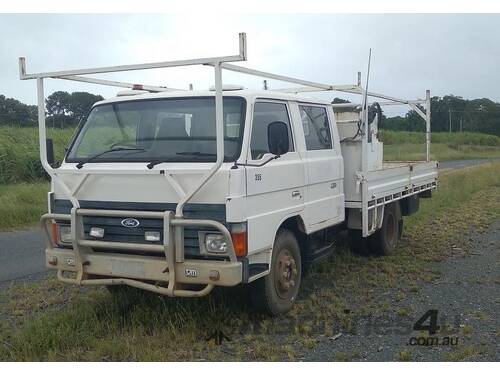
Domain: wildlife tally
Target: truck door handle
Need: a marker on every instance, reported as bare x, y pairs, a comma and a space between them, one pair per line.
295, 193
333, 185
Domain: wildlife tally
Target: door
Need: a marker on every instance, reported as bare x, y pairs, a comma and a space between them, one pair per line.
324, 198
275, 190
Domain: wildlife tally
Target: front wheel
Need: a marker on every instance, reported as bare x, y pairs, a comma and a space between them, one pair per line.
276, 292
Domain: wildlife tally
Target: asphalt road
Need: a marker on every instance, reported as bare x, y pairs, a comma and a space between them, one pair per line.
22, 256
456, 164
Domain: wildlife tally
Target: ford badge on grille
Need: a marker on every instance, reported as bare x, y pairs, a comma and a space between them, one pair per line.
130, 223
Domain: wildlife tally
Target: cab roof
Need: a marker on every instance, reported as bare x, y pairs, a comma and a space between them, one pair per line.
244, 93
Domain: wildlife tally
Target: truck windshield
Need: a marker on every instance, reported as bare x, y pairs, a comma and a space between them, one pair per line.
172, 129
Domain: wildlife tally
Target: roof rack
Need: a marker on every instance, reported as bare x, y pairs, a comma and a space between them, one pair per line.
218, 63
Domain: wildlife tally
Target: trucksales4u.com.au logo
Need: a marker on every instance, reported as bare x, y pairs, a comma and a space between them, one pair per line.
431, 329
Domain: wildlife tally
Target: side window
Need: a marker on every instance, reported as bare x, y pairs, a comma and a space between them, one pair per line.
316, 127
264, 114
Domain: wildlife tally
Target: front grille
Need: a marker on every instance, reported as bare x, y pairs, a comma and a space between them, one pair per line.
114, 231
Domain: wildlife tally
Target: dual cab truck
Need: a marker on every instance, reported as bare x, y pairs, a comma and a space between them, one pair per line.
179, 191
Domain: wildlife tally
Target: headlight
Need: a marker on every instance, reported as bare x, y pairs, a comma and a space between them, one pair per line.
65, 234
215, 243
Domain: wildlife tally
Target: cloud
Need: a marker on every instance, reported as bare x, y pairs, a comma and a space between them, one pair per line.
411, 53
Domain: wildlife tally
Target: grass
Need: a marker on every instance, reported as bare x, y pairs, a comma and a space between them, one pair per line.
439, 151
444, 146
405, 356
468, 353
19, 152
390, 137
19, 155
52, 321
22, 204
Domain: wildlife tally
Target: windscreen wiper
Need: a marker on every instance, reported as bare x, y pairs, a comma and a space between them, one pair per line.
90, 158
190, 153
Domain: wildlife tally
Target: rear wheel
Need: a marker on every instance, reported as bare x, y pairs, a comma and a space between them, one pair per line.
385, 240
276, 292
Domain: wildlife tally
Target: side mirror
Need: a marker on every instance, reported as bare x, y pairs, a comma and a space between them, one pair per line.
277, 138
50, 152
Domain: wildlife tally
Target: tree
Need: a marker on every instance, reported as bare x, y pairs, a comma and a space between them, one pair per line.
477, 115
64, 108
395, 123
57, 106
58, 103
13, 112
81, 103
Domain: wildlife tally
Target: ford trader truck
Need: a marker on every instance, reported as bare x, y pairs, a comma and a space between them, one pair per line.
179, 191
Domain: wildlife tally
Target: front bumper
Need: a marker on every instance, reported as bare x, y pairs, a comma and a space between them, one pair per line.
169, 274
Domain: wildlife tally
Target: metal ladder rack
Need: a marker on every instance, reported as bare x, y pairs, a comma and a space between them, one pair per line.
218, 63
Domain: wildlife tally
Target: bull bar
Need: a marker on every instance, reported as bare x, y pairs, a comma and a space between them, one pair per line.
95, 268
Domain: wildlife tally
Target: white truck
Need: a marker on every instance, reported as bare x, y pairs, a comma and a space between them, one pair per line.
178, 191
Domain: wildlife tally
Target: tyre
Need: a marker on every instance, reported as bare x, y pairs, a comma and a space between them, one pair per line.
276, 292
357, 243
385, 240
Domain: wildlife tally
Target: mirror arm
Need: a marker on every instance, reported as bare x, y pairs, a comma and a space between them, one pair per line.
50, 152
236, 164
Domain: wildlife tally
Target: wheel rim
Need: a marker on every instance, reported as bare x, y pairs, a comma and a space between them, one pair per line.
391, 230
286, 275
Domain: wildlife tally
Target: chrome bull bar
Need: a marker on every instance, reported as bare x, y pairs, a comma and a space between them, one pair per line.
172, 247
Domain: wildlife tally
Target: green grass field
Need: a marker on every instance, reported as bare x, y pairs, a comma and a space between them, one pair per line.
52, 321
453, 139
20, 165
439, 151
22, 204
19, 152
444, 146
19, 158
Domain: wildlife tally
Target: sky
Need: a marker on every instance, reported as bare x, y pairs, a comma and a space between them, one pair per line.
448, 54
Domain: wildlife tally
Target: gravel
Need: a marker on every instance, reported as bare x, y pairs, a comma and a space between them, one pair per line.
466, 295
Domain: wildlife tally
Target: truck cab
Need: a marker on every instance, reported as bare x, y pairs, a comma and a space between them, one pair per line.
282, 168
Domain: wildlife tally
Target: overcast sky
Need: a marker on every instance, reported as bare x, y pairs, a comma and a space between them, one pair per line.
457, 54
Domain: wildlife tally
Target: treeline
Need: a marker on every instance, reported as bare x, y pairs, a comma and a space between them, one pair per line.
63, 109
13, 112
449, 112
452, 113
